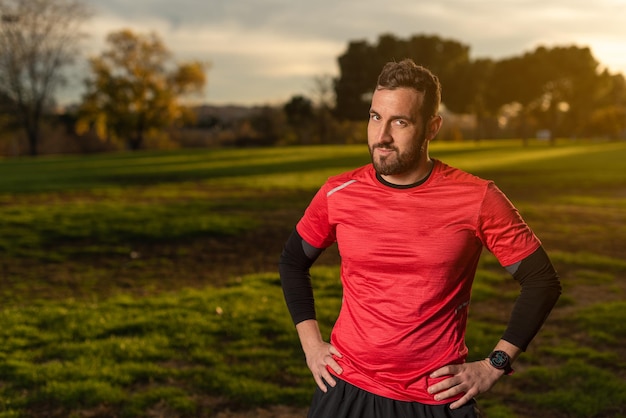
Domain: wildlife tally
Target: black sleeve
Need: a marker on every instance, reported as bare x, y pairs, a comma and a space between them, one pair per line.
540, 289
295, 261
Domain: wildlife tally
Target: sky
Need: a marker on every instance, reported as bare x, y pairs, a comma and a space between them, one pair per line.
267, 51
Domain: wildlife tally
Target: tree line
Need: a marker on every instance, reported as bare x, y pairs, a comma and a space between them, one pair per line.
135, 90
562, 89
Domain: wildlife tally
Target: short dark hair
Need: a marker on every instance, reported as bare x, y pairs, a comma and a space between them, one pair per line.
408, 74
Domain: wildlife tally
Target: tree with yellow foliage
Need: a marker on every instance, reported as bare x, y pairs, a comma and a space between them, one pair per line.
135, 89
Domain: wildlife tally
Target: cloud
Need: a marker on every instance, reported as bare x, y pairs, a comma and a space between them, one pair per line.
268, 50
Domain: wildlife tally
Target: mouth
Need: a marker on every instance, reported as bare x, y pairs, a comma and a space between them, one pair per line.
384, 150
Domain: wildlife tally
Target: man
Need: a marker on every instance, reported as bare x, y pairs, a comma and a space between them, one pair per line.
410, 231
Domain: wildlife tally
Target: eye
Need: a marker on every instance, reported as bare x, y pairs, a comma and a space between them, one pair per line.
374, 116
401, 122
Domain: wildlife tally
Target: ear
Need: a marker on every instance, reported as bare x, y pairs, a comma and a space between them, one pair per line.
433, 126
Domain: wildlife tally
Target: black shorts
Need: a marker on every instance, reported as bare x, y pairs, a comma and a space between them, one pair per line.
348, 401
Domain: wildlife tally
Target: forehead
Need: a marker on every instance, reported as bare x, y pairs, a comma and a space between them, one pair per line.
399, 101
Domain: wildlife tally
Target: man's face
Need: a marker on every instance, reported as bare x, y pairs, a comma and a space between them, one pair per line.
396, 135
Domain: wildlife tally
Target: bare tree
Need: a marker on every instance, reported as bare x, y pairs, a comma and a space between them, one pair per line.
38, 38
323, 91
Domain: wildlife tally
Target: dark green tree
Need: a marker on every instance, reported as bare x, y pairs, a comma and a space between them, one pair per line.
361, 63
301, 118
555, 87
356, 81
608, 119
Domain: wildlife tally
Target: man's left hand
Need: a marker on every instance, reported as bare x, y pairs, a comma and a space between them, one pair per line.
470, 378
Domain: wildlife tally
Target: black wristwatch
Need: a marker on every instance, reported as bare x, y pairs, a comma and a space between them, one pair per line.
501, 361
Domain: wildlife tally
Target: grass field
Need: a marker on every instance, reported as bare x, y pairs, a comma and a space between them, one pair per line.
145, 284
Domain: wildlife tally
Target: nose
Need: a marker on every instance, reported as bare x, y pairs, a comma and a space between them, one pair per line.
383, 134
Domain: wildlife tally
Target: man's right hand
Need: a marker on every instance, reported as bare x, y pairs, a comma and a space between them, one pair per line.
318, 358
319, 354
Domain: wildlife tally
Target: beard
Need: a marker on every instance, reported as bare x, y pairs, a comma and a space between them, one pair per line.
397, 162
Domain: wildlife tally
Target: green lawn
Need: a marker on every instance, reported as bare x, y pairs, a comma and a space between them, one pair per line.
145, 284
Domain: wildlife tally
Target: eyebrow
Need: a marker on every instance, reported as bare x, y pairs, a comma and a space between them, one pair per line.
395, 117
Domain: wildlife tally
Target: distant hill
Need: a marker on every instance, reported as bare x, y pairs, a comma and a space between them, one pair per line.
209, 115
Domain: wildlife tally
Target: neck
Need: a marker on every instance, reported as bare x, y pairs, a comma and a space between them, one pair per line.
413, 177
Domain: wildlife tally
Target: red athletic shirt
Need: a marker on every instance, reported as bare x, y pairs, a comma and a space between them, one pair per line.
409, 257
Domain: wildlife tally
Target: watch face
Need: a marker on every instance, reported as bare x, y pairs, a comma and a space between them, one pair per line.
499, 359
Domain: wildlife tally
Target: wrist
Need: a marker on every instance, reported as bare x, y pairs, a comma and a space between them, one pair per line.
309, 334
501, 361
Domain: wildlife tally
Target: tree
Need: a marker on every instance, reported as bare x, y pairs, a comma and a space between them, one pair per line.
357, 79
135, 88
557, 88
323, 93
300, 116
38, 38
608, 118
362, 62
472, 85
